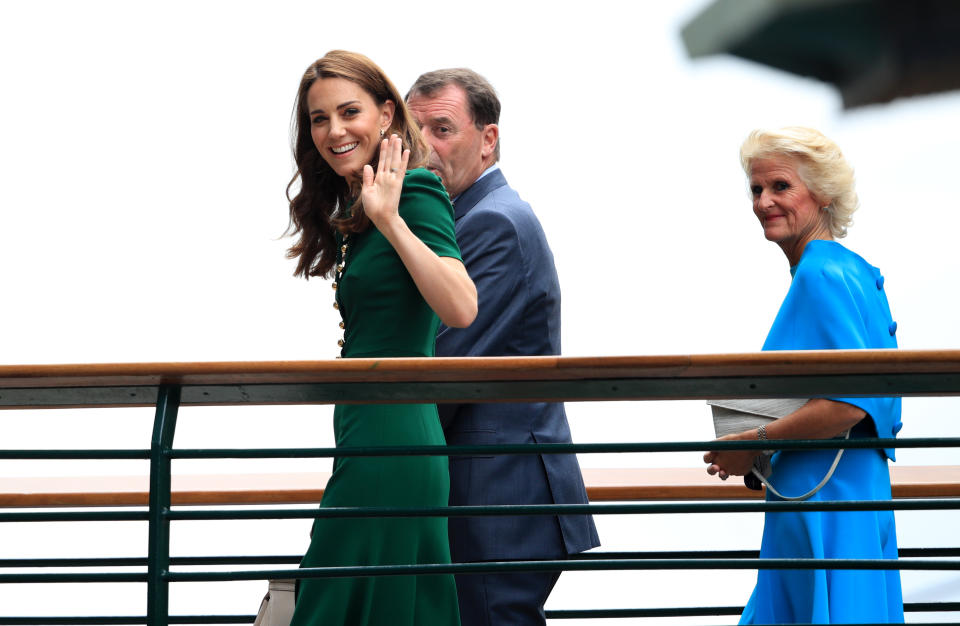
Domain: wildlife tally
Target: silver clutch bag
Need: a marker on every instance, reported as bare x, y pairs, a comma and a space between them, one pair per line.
736, 416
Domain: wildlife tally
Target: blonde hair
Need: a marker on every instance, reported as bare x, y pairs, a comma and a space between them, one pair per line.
820, 165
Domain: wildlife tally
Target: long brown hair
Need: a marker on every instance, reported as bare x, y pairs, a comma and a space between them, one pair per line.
323, 203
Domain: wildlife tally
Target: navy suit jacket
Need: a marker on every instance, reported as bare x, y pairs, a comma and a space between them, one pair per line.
507, 256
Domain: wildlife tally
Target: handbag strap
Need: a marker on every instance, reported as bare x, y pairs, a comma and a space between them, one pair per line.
836, 461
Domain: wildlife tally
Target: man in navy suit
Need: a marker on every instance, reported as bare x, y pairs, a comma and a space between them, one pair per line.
507, 256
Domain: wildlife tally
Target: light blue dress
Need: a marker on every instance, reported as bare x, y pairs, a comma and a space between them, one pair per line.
836, 301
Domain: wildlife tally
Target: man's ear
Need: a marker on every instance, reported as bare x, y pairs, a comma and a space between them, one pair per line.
491, 135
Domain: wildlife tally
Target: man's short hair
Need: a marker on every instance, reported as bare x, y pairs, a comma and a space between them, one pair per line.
482, 100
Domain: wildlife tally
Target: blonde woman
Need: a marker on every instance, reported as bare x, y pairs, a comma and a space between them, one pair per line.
803, 196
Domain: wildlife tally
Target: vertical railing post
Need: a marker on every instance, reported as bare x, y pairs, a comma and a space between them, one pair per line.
158, 556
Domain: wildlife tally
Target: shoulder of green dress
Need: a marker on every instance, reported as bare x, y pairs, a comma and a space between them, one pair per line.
423, 192
422, 176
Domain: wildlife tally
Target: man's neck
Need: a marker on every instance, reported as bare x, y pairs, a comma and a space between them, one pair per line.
493, 167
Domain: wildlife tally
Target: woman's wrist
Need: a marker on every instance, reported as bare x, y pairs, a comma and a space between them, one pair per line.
762, 436
392, 228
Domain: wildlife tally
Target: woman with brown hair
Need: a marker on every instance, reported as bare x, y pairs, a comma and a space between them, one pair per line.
387, 237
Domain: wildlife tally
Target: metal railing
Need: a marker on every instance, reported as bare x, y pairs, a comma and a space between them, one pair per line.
168, 386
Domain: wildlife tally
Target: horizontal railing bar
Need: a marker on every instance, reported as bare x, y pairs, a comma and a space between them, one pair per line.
274, 559
464, 568
908, 607
564, 448
926, 504
581, 390
138, 561
730, 554
133, 561
123, 619
76, 577
75, 454
567, 565
668, 554
658, 612
550, 614
420, 369
75, 516
926, 607
501, 509
306, 488
193, 561
511, 390
928, 552
532, 448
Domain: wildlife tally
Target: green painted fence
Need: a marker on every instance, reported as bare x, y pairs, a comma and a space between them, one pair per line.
168, 386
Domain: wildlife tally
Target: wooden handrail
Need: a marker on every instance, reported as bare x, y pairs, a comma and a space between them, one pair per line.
603, 485
798, 363
621, 484
488, 379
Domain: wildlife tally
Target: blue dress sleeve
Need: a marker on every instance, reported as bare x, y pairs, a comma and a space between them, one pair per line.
834, 307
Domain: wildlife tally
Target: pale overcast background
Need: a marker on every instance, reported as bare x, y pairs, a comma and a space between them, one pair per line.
144, 153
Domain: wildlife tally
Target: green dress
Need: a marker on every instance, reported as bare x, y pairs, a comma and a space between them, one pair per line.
384, 315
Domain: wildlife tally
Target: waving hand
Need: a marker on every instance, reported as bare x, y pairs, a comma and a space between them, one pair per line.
381, 192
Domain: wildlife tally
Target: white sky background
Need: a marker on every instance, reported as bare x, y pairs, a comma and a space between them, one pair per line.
144, 153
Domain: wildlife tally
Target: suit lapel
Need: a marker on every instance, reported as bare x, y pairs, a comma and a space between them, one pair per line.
477, 192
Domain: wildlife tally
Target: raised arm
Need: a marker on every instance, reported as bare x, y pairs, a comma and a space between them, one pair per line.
443, 281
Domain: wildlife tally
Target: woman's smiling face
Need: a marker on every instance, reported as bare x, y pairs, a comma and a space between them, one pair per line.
345, 123
789, 213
